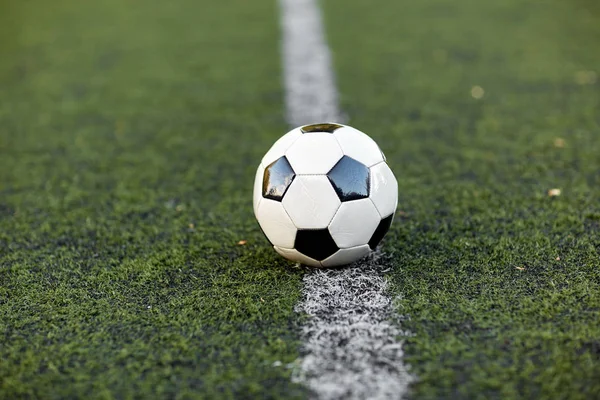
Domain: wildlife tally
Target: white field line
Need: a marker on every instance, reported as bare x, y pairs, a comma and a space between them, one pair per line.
351, 348
310, 87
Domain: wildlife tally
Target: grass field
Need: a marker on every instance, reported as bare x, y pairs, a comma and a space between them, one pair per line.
129, 136
501, 282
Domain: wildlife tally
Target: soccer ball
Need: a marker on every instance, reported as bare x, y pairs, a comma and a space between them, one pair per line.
324, 195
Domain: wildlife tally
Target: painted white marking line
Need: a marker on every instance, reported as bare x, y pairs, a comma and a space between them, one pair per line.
310, 86
351, 348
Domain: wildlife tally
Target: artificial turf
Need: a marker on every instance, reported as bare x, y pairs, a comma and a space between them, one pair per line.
483, 108
129, 137
130, 133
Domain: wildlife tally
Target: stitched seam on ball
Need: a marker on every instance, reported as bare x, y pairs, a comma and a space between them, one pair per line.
325, 174
375, 205
331, 220
377, 163
290, 146
291, 219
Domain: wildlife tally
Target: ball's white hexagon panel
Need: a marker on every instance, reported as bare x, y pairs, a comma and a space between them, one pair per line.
314, 153
280, 147
295, 255
311, 202
276, 223
347, 256
358, 145
384, 189
258, 183
354, 223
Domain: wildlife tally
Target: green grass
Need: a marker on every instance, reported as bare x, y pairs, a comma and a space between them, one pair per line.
129, 138
499, 281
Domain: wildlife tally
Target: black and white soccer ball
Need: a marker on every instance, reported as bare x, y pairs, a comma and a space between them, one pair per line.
324, 195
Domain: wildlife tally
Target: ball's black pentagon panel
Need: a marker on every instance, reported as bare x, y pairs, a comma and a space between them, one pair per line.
315, 243
380, 232
277, 179
350, 179
326, 127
